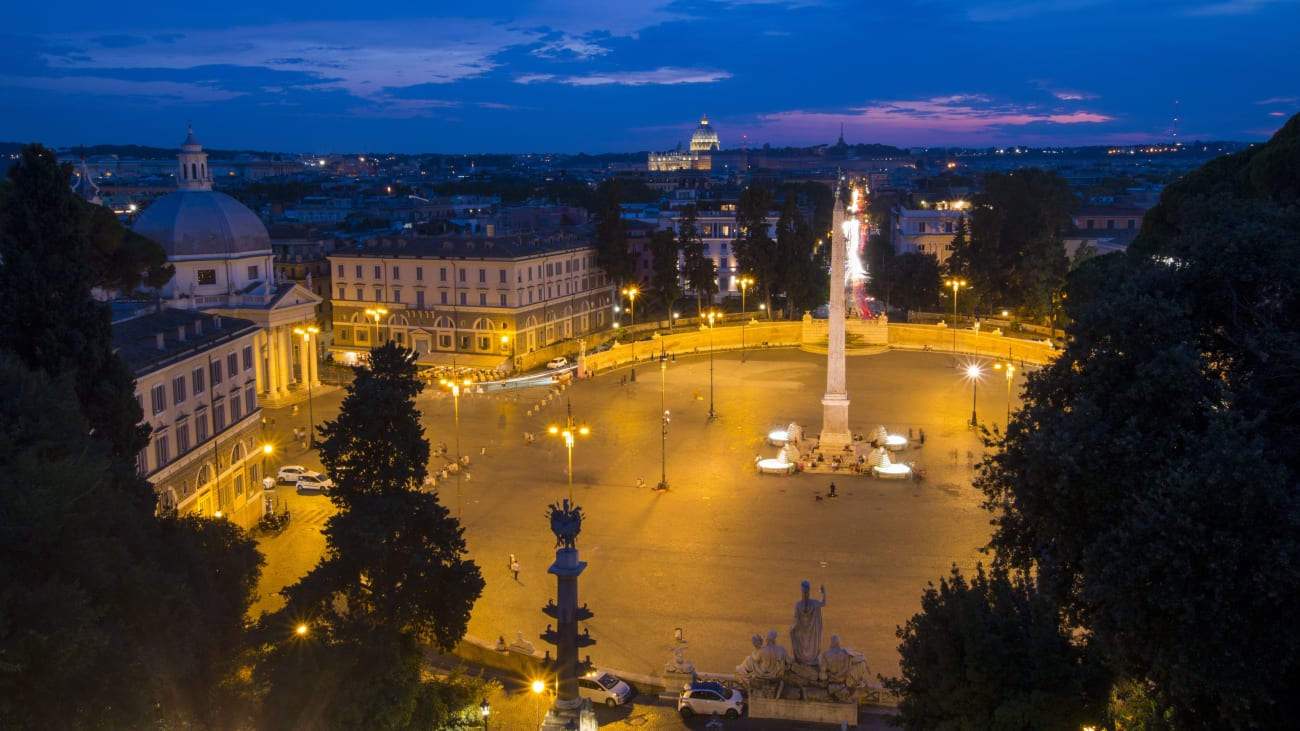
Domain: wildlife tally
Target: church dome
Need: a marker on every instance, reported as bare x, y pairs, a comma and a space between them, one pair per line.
704, 139
203, 224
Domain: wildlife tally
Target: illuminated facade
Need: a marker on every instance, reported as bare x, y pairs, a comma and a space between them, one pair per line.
476, 301
927, 231
704, 142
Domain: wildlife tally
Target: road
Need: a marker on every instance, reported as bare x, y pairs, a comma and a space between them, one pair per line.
720, 555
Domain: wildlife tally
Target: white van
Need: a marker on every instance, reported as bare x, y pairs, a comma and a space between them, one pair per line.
601, 686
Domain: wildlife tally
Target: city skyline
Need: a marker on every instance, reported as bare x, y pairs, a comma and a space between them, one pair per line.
564, 76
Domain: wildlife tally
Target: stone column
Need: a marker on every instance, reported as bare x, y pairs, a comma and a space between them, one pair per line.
309, 370
272, 373
282, 355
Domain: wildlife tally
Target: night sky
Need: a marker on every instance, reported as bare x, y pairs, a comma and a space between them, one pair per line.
627, 75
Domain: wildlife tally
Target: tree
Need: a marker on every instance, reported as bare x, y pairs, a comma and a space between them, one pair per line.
910, 281
755, 250
700, 270
394, 573
989, 653
612, 253
51, 322
801, 270
1150, 478
1016, 253
666, 280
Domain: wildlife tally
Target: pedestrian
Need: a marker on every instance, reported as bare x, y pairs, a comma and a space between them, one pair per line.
832, 491
295, 410
921, 432
514, 568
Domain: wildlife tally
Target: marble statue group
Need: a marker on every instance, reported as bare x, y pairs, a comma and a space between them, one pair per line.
836, 673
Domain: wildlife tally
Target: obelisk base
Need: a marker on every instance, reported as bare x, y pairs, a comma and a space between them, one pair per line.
835, 434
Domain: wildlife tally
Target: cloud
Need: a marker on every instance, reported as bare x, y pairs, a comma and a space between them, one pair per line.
1230, 7
1278, 100
966, 117
161, 91
571, 47
662, 76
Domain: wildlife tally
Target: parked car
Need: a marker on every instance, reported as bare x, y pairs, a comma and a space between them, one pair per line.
706, 697
560, 362
315, 482
289, 473
602, 686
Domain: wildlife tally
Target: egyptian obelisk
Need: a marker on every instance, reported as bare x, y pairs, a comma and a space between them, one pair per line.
835, 434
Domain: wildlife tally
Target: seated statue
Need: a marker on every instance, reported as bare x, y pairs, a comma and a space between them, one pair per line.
845, 672
748, 669
773, 660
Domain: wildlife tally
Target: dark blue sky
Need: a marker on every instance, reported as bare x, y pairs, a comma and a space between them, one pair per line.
629, 75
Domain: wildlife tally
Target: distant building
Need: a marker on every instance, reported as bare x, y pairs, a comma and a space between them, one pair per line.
927, 231
482, 301
704, 142
718, 232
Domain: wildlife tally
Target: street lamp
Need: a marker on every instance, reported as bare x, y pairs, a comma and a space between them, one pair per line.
267, 451
376, 313
1011, 373
745, 283
973, 372
485, 708
954, 285
663, 428
631, 293
307, 334
569, 433
712, 316
455, 387
538, 687
505, 341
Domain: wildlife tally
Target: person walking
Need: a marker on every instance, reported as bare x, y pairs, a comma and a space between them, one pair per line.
514, 567
832, 491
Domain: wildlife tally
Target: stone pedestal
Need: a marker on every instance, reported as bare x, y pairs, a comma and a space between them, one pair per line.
813, 711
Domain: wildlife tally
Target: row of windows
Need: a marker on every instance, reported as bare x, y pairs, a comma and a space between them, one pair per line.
198, 379
534, 294
209, 276
569, 266
162, 439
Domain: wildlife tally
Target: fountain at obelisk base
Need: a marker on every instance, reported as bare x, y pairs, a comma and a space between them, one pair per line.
569, 711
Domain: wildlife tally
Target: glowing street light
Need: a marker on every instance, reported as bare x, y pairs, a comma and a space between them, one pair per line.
663, 427
954, 285
745, 283
712, 316
974, 373
455, 387
538, 688
631, 293
376, 313
307, 333
1011, 373
569, 433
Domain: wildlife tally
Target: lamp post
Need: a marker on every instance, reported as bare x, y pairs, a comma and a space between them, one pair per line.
954, 285
569, 434
712, 316
1011, 373
631, 293
376, 313
307, 334
538, 688
485, 708
973, 372
505, 341
744, 282
663, 426
267, 451
455, 387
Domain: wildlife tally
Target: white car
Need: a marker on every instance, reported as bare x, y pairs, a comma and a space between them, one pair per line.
315, 482
704, 698
290, 473
602, 686
560, 362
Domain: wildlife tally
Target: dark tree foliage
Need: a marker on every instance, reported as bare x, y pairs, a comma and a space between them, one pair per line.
666, 280
989, 653
701, 271
109, 617
1151, 478
612, 252
124, 261
1015, 256
48, 266
394, 573
910, 281
754, 248
801, 268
